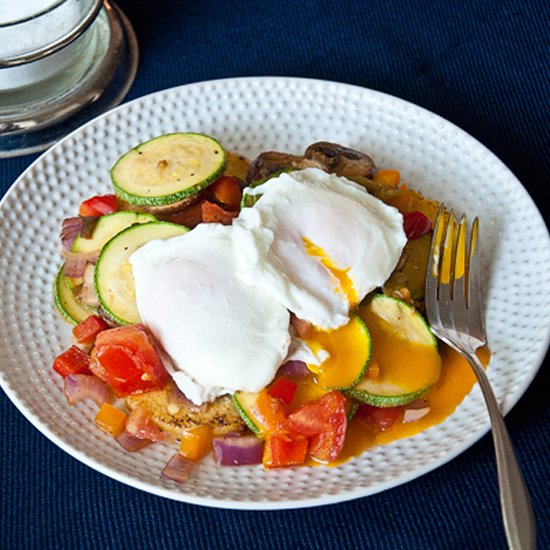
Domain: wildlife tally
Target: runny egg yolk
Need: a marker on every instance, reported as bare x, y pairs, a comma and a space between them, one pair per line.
341, 277
348, 349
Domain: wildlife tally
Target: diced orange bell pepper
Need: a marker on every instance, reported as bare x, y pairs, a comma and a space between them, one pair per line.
388, 177
282, 450
268, 412
111, 419
196, 442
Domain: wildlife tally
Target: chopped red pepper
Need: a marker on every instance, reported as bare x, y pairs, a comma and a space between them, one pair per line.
227, 191
72, 361
282, 450
379, 418
324, 421
416, 224
100, 205
86, 331
283, 389
214, 213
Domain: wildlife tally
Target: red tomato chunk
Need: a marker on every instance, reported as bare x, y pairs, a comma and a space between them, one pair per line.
214, 213
283, 389
127, 360
72, 361
379, 418
416, 224
282, 450
324, 421
86, 331
100, 205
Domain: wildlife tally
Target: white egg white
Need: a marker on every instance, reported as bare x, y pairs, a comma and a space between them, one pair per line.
355, 232
221, 334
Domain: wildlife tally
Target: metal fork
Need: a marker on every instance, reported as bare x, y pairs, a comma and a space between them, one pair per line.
454, 309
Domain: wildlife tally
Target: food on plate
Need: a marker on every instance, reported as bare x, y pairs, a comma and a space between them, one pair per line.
267, 312
168, 171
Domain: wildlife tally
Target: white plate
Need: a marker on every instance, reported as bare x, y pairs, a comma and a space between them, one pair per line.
250, 115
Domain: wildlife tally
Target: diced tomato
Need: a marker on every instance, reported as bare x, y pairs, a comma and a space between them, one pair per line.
282, 450
127, 359
100, 205
190, 216
72, 361
214, 213
324, 421
283, 389
379, 418
416, 224
86, 331
227, 191
268, 412
402, 200
140, 425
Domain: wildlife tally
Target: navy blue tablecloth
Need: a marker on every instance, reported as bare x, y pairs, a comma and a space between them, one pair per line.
481, 64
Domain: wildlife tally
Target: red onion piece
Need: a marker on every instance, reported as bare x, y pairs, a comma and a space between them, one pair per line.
70, 228
177, 468
238, 451
412, 415
105, 317
302, 327
88, 226
86, 386
294, 369
130, 442
75, 262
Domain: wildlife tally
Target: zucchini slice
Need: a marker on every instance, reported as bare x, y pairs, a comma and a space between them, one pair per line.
168, 169
404, 352
107, 227
114, 282
66, 302
244, 401
349, 348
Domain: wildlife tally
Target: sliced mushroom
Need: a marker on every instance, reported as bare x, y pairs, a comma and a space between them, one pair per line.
269, 163
340, 160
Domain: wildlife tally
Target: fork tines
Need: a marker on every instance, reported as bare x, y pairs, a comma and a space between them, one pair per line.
453, 266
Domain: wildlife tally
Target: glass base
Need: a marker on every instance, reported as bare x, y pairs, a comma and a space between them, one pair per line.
35, 117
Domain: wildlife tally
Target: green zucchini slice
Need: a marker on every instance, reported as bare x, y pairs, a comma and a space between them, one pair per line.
244, 401
67, 304
168, 169
405, 362
106, 228
114, 282
349, 348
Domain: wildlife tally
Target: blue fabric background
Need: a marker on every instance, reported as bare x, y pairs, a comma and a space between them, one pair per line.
483, 65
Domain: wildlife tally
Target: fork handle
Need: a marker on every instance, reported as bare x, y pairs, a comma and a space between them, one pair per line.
517, 513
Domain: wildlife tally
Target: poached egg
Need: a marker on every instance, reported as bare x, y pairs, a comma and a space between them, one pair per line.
221, 335
317, 243
218, 297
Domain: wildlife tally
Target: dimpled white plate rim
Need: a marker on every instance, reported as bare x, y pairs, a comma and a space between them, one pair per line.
250, 115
